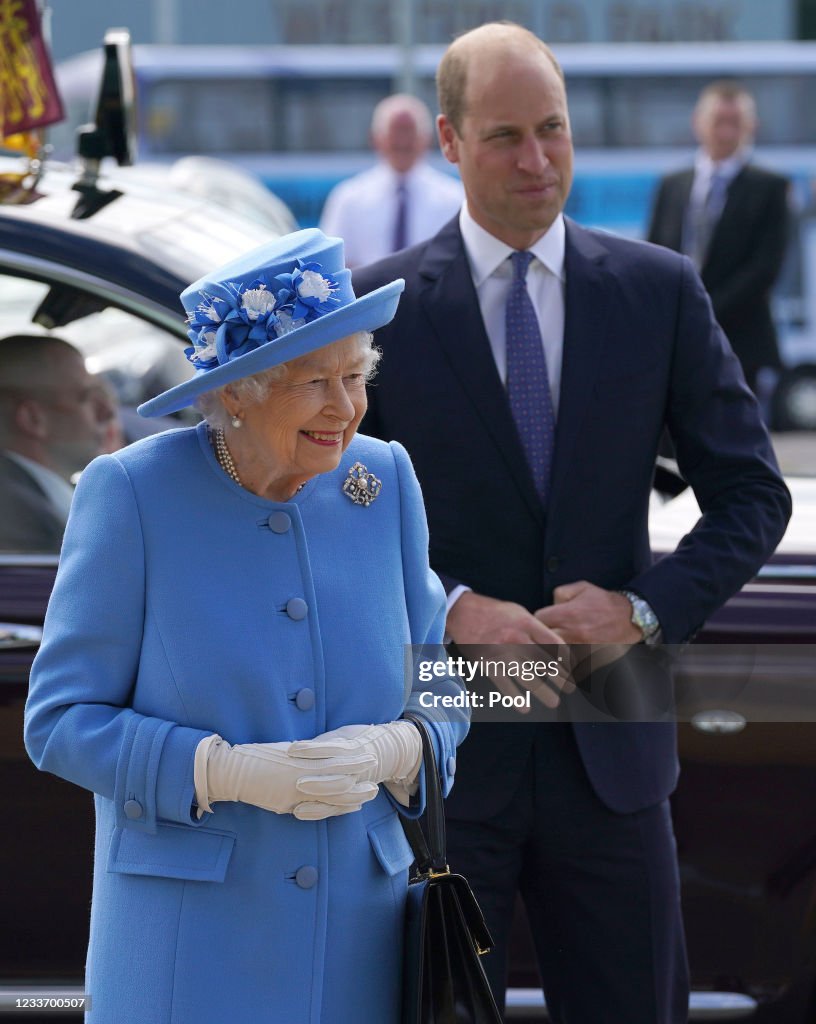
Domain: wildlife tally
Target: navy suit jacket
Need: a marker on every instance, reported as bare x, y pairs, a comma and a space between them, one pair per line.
641, 351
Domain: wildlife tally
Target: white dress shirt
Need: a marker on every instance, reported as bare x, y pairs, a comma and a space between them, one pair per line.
363, 209
705, 168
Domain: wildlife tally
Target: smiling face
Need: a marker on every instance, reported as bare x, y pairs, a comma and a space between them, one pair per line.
304, 423
513, 147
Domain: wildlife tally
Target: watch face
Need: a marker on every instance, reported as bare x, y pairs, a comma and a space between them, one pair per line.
642, 615
647, 620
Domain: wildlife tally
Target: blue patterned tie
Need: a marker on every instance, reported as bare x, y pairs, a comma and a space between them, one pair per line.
528, 384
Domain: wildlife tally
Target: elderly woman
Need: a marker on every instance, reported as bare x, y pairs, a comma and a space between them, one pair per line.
223, 665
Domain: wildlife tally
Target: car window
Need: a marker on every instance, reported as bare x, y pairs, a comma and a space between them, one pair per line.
69, 387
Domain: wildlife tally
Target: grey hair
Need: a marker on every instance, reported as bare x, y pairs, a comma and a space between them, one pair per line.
402, 103
254, 389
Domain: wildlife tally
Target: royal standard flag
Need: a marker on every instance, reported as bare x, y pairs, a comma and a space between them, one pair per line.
28, 93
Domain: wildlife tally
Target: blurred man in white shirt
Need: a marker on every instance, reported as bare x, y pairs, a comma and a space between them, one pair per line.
400, 201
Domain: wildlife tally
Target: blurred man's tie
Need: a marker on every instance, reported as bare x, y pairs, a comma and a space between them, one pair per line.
528, 384
704, 218
401, 219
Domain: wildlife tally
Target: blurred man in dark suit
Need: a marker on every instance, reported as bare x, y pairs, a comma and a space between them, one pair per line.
530, 371
731, 218
54, 418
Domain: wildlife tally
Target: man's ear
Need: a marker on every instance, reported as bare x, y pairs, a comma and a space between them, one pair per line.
31, 419
448, 139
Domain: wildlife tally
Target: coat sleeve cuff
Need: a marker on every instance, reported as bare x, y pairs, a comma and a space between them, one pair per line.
154, 777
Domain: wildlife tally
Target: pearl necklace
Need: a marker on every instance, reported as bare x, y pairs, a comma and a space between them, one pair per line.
222, 453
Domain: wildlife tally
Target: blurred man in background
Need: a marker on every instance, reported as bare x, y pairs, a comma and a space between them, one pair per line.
731, 218
402, 200
54, 418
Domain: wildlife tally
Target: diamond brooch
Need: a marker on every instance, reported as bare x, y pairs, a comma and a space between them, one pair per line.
361, 486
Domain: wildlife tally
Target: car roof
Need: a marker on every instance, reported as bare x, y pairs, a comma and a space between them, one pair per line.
669, 523
148, 238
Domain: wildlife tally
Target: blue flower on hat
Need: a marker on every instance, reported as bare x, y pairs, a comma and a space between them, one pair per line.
222, 328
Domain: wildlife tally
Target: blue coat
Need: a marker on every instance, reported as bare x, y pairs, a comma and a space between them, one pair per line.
185, 605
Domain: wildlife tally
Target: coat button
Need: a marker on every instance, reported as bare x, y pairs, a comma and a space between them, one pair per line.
305, 699
552, 563
296, 608
133, 809
279, 522
451, 766
306, 877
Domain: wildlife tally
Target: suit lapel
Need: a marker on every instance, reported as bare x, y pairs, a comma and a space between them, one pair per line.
586, 305
452, 306
680, 210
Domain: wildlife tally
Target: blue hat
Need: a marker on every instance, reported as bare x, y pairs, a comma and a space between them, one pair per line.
278, 302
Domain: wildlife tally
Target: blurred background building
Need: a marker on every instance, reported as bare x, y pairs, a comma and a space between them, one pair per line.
80, 24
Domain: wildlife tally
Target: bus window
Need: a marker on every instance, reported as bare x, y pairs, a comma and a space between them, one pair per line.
208, 116
324, 115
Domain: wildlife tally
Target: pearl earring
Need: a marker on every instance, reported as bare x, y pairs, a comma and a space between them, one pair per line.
236, 421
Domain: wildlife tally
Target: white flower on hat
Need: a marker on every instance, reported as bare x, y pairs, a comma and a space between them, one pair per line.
208, 350
314, 286
257, 302
286, 323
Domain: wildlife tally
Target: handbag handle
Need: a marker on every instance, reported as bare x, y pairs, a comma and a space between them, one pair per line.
429, 853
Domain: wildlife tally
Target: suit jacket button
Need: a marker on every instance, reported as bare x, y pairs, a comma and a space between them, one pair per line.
296, 608
279, 522
305, 699
133, 809
451, 766
552, 563
306, 877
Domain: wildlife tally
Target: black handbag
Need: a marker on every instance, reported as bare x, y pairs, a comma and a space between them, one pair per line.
445, 932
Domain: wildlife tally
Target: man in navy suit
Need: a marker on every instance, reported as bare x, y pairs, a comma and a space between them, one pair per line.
539, 526
731, 217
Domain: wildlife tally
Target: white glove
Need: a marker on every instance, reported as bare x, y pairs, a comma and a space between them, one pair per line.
267, 776
395, 746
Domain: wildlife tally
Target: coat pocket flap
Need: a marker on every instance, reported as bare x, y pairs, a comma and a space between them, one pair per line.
174, 851
390, 845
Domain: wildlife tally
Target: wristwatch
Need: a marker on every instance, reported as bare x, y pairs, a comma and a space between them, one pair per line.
644, 618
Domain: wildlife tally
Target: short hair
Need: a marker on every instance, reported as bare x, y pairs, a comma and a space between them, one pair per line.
254, 389
23, 357
401, 103
451, 75
726, 89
